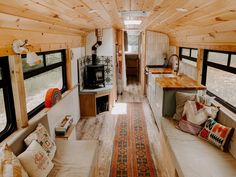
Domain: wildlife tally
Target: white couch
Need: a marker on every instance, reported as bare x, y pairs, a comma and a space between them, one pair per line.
72, 158
185, 155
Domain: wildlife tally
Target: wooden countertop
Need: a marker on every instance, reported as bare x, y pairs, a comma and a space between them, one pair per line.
179, 82
160, 70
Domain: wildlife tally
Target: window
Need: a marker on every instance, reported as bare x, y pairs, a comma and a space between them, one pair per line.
7, 110
219, 75
189, 55
133, 42
49, 72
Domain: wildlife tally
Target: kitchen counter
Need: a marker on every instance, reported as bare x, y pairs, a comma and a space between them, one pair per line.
179, 82
160, 70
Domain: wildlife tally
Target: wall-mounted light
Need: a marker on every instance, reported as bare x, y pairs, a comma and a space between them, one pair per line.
20, 47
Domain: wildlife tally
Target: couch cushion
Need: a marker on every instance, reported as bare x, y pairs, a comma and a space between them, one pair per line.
75, 158
194, 157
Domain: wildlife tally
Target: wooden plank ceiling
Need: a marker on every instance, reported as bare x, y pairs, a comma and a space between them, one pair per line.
204, 20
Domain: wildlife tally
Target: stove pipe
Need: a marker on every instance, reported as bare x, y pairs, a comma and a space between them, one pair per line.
98, 33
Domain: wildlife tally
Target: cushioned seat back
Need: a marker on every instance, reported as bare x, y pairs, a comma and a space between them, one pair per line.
17, 142
225, 119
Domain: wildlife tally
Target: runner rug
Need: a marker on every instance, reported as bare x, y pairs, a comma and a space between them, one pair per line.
131, 153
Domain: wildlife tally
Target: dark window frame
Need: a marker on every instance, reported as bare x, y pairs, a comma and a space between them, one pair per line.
226, 68
46, 68
5, 84
190, 54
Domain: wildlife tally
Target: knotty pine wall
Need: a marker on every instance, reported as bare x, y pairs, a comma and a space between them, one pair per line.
39, 40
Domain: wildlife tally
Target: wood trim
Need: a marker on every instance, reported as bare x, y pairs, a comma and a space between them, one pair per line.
18, 89
68, 69
199, 65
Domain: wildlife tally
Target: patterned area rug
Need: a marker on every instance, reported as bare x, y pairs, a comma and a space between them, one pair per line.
131, 153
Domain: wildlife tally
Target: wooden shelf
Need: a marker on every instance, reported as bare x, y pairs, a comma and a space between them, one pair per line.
70, 134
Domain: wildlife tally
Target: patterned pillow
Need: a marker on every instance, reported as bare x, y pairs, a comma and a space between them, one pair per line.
194, 115
43, 138
10, 166
35, 160
217, 134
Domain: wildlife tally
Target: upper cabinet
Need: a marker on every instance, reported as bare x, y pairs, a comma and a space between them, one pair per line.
157, 47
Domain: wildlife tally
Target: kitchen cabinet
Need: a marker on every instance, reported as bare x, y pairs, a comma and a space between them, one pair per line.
161, 90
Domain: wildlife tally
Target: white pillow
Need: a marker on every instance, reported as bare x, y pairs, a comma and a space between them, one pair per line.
10, 166
42, 136
35, 160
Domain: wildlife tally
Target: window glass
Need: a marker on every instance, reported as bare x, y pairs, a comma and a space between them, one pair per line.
133, 41
193, 63
222, 84
233, 61
53, 58
28, 67
37, 86
185, 52
3, 117
194, 53
219, 58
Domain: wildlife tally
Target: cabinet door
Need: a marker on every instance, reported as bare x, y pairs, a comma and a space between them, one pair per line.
158, 104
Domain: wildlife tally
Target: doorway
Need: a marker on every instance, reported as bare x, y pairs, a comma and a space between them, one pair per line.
132, 41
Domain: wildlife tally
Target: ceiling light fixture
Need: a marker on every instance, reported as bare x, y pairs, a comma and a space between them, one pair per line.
180, 9
92, 11
133, 13
132, 22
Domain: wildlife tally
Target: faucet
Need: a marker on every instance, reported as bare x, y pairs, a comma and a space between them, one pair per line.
174, 55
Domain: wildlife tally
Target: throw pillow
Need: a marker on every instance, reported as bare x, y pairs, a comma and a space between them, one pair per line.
194, 115
42, 136
10, 166
217, 134
205, 99
181, 98
35, 160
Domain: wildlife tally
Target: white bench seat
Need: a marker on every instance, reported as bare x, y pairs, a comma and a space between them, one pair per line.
194, 157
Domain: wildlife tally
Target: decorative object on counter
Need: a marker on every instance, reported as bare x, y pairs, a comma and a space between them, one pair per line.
10, 164
53, 95
63, 126
217, 134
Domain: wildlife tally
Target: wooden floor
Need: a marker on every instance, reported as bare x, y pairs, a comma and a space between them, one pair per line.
103, 126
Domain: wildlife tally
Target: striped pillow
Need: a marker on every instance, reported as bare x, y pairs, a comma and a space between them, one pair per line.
10, 166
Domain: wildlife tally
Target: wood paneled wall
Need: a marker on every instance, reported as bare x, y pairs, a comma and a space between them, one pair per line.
39, 41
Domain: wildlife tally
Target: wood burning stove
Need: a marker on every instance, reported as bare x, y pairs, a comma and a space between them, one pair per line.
95, 76
95, 72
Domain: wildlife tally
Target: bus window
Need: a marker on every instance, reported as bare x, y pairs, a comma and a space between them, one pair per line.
7, 110
219, 75
50, 72
189, 55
